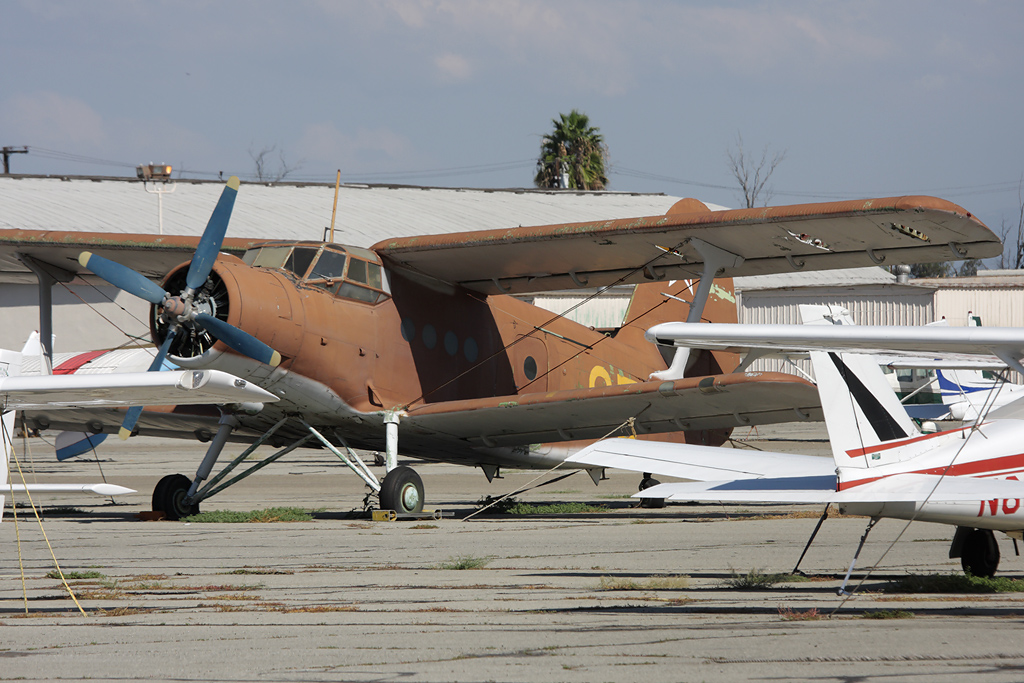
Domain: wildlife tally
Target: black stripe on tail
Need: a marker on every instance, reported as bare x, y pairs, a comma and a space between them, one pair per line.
885, 426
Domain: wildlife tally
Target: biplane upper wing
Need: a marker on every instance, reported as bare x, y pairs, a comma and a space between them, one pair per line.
152, 255
823, 236
715, 402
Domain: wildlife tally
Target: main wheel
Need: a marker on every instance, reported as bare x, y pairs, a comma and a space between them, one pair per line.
647, 482
169, 494
402, 491
980, 553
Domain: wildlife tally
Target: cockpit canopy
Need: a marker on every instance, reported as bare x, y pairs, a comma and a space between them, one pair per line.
347, 272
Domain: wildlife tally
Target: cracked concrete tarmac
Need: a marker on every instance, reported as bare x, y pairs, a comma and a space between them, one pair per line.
584, 597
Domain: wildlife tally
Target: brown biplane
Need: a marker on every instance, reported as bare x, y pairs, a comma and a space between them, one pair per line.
417, 346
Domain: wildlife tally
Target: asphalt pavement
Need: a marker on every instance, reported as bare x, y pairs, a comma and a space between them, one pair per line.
619, 594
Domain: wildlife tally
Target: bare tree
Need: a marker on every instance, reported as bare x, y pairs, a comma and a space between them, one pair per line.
753, 175
1020, 225
1013, 260
264, 171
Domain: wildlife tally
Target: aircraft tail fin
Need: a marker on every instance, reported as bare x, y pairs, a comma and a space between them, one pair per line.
861, 409
957, 385
668, 301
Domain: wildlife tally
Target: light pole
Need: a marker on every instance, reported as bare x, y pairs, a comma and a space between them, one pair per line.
161, 173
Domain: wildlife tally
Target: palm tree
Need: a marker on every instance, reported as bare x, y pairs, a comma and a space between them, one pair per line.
576, 150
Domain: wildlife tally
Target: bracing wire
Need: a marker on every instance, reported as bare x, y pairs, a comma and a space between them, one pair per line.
975, 428
35, 510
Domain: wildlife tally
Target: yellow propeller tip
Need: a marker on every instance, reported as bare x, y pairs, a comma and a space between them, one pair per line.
275, 360
84, 257
124, 434
233, 182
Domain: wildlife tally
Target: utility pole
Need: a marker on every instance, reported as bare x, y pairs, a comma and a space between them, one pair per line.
7, 152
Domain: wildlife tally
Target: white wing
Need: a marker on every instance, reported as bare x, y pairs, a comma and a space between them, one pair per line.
1004, 343
910, 488
699, 462
127, 389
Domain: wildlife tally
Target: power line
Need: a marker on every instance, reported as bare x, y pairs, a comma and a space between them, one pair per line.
949, 191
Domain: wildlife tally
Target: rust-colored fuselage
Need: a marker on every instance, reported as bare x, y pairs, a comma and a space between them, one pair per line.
428, 344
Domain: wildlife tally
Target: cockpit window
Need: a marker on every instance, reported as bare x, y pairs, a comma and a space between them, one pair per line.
300, 259
356, 274
295, 259
268, 257
331, 264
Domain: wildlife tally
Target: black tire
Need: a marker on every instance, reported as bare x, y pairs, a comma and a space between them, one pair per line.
646, 483
980, 553
169, 494
402, 491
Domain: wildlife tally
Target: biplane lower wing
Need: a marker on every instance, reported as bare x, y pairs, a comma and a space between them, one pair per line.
719, 402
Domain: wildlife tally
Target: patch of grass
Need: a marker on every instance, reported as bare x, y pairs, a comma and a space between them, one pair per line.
423, 526
888, 614
512, 506
955, 583
258, 571
54, 574
788, 614
278, 514
755, 579
656, 583
464, 562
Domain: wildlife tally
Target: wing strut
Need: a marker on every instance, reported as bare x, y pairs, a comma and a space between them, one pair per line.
871, 524
715, 260
47, 276
821, 520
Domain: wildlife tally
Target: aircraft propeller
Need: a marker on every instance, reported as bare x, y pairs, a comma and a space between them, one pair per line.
180, 310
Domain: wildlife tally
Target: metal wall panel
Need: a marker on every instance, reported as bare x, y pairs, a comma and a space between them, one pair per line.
870, 305
998, 307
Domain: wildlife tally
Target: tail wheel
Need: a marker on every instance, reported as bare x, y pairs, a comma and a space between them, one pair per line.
647, 482
402, 491
169, 494
980, 553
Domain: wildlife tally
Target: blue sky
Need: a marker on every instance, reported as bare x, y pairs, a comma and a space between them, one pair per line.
866, 99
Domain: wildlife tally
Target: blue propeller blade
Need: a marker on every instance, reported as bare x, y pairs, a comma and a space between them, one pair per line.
240, 341
132, 416
122, 277
213, 237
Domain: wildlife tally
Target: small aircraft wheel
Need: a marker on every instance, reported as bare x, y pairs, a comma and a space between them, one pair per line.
980, 553
169, 494
402, 491
646, 483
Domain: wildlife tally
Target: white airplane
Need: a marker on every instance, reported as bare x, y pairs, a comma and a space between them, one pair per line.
124, 389
882, 465
967, 394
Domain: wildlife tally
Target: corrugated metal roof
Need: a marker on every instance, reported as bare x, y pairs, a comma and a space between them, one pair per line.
366, 214
984, 279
